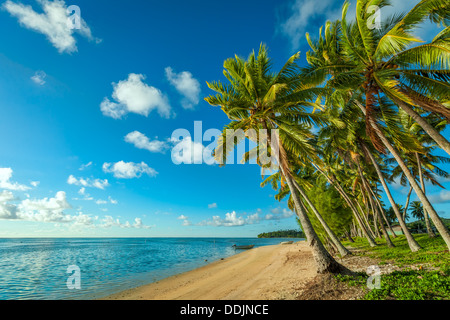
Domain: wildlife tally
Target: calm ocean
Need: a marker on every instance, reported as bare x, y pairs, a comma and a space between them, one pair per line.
37, 268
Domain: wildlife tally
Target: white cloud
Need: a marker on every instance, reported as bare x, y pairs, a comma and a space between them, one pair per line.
187, 151
53, 23
141, 141
231, 220
35, 183
186, 85
5, 183
186, 223
278, 213
85, 166
39, 78
110, 200
52, 210
135, 96
6, 195
212, 205
129, 170
97, 183
46, 210
185, 219
82, 220
109, 222
441, 197
7, 211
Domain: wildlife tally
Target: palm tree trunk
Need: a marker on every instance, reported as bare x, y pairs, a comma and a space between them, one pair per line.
369, 208
349, 202
430, 232
343, 251
324, 261
369, 228
375, 209
380, 207
413, 245
428, 128
442, 229
407, 203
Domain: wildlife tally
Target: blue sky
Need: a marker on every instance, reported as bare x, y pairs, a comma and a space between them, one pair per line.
87, 116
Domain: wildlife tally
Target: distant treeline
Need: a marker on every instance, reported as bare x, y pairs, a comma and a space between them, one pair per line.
282, 234
420, 225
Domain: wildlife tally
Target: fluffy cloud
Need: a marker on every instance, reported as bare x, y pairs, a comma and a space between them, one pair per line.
5, 183
278, 213
7, 211
231, 220
129, 170
186, 85
135, 96
109, 222
6, 195
53, 23
46, 210
141, 141
97, 183
185, 219
52, 210
43, 210
212, 205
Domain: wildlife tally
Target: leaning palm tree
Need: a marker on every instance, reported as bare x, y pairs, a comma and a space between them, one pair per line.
302, 180
257, 99
388, 70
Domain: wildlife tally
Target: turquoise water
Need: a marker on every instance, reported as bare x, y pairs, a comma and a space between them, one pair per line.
37, 268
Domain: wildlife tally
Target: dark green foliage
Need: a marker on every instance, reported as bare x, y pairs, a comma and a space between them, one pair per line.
420, 225
331, 207
282, 234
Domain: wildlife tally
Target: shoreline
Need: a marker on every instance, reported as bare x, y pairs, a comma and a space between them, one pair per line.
273, 272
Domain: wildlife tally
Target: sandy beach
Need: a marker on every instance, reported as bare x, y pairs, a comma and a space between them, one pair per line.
264, 273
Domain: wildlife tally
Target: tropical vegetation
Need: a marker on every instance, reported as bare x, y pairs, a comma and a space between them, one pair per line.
282, 234
368, 108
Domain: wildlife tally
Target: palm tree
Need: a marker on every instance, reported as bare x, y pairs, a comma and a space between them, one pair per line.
387, 70
256, 99
417, 210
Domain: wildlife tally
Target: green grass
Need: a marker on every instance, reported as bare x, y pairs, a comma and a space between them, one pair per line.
434, 252
408, 284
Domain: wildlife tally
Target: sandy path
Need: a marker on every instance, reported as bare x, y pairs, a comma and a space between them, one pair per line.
264, 273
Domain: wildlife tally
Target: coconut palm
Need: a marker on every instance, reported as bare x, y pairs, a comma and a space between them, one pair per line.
417, 210
256, 99
390, 70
